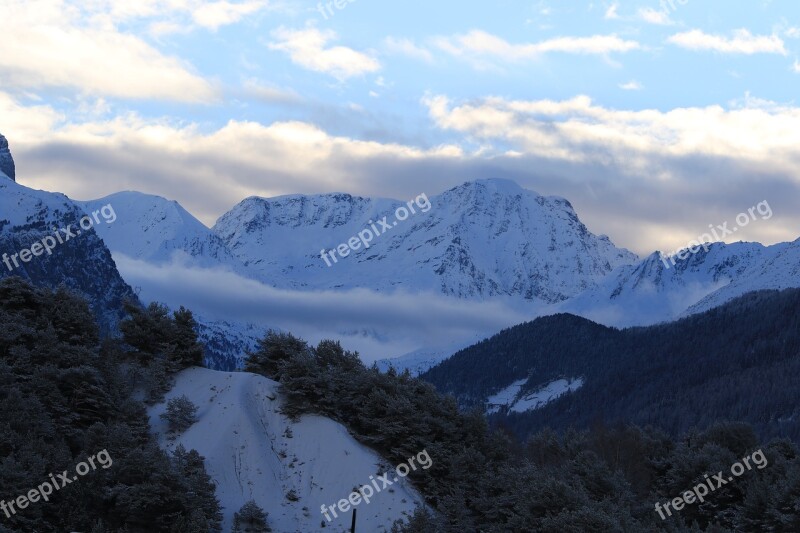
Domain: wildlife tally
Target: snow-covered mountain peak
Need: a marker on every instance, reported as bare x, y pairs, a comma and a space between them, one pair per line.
481, 239
6, 161
154, 229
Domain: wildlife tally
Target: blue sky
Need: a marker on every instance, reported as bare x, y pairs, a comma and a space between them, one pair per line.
655, 119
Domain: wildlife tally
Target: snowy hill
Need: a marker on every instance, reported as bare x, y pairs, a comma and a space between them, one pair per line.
482, 239
254, 452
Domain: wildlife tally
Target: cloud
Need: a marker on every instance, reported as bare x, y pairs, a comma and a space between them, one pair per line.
632, 85
308, 49
742, 42
575, 128
215, 14
65, 49
611, 12
408, 48
653, 16
711, 151
388, 324
624, 171
168, 16
270, 93
479, 44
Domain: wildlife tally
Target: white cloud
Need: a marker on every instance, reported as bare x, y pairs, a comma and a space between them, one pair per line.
611, 12
796, 66
309, 49
478, 45
270, 93
742, 42
49, 44
632, 85
169, 16
215, 14
750, 132
653, 16
714, 161
392, 324
408, 48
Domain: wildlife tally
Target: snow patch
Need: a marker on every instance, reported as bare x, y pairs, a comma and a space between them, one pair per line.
516, 401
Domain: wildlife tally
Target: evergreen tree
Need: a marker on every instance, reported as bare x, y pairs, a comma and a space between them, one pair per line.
181, 414
272, 352
251, 519
148, 331
201, 490
186, 351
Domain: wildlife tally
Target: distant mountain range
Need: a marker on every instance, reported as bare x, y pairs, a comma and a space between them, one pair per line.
486, 240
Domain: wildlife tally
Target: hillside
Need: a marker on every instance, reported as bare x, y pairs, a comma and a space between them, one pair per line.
735, 362
253, 452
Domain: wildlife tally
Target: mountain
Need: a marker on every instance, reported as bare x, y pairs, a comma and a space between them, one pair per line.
482, 239
654, 290
734, 362
778, 268
488, 239
69, 254
157, 230
161, 232
6, 161
289, 467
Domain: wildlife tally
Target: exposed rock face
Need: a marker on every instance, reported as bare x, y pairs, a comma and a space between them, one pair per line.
6, 161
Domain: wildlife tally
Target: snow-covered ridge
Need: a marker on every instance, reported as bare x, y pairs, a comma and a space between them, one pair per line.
254, 452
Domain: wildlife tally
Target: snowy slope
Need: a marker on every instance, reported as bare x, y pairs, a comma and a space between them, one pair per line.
650, 292
778, 268
254, 452
482, 239
159, 231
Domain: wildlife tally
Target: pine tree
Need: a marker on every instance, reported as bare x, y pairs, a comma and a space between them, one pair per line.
201, 490
272, 352
186, 351
181, 414
148, 331
251, 519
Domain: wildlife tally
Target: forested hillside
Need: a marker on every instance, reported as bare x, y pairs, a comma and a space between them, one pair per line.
603, 479
738, 362
66, 395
